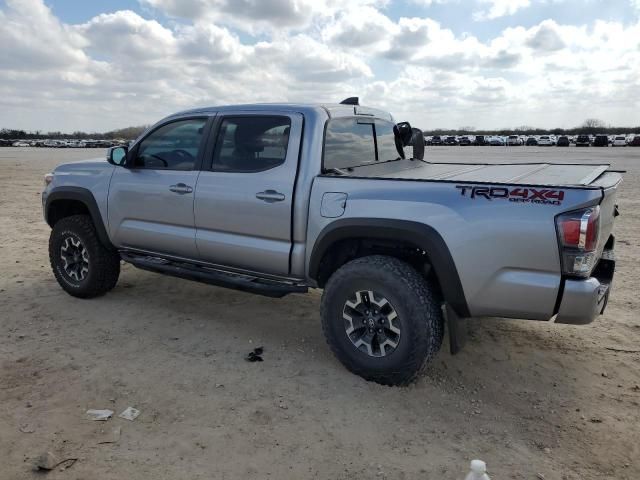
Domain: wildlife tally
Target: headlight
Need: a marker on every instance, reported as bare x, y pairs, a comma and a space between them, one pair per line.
48, 178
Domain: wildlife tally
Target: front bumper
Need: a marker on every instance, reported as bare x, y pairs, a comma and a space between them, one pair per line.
583, 300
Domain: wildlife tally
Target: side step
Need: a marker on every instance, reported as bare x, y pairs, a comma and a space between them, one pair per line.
260, 286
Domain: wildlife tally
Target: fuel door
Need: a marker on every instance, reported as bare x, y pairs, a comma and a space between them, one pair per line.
333, 204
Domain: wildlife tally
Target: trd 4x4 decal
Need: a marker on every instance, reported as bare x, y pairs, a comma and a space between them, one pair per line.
520, 194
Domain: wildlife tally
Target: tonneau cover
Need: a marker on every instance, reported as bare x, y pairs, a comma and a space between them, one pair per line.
513, 173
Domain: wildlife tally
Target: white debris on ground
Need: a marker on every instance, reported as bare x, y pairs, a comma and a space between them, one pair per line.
130, 413
99, 415
478, 471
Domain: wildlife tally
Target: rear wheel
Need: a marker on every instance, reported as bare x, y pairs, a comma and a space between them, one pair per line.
82, 265
382, 319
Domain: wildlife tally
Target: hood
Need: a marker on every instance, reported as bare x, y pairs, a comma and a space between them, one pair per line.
94, 165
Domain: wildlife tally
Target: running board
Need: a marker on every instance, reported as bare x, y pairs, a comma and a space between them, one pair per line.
245, 283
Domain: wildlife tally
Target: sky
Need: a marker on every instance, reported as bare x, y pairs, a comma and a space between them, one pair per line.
100, 65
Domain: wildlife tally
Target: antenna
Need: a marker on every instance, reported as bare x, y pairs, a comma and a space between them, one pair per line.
350, 101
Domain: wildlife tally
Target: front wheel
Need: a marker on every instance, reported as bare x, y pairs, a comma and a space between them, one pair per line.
382, 319
82, 265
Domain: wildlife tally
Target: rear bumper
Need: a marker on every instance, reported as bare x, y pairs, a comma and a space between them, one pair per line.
583, 300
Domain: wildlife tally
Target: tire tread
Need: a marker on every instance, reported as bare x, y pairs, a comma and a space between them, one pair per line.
106, 263
427, 340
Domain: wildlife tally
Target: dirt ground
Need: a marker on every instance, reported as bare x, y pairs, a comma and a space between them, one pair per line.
533, 399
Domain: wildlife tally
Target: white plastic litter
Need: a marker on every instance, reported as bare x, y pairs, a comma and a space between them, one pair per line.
478, 471
110, 436
99, 415
130, 413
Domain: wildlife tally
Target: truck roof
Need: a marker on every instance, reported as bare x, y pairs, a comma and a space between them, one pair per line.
330, 109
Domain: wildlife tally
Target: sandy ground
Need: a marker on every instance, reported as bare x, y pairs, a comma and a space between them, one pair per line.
532, 399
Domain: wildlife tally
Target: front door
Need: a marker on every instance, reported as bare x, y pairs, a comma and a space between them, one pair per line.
151, 200
244, 196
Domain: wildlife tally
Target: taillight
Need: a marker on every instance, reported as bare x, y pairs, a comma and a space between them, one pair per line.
578, 235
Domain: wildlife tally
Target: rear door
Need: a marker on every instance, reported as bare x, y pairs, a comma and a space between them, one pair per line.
150, 203
244, 195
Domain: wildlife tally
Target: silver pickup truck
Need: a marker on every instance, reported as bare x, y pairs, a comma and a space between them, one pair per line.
279, 198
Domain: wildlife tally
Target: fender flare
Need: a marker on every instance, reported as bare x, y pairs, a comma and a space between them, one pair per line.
85, 197
423, 236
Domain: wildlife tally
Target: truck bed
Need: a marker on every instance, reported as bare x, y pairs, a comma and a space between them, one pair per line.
556, 174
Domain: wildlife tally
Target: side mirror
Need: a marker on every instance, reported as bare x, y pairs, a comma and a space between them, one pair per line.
407, 136
117, 156
403, 133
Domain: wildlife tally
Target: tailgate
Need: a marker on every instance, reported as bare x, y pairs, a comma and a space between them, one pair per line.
609, 183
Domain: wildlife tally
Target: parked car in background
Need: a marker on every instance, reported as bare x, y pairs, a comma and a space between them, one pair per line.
451, 140
531, 142
601, 141
583, 141
21, 143
635, 141
546, 141
464, 140
480, 140
514, 140
436, 140
619, 141
563, 141
496, 141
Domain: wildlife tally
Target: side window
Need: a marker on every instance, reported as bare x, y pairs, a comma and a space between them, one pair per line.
251, 144
348, 143
386, 140
173, 146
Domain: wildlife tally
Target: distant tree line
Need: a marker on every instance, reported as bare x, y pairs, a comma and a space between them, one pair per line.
128, 133
590, 126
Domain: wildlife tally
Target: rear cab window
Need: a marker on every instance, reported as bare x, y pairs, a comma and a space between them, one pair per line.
251, 144
352, 142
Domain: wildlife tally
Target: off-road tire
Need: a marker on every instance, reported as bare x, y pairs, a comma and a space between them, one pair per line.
418, 311
103, 264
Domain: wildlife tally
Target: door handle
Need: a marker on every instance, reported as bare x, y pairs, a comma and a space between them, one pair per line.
181, 188
270, 196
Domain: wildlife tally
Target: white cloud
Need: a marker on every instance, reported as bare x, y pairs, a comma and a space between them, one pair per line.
285, 13
411, 36
428, 3
31, 37
121, 68
546, 37
359, 28
126, 34
500, 8
256, 15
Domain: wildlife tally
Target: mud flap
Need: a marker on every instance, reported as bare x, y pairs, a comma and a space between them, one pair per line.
457, 329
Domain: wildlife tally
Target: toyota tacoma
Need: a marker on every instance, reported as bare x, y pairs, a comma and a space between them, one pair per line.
279, 198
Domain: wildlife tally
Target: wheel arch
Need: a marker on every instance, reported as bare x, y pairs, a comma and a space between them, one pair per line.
63, 202
405, 232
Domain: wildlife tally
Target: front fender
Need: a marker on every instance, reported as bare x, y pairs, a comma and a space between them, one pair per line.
84, 196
